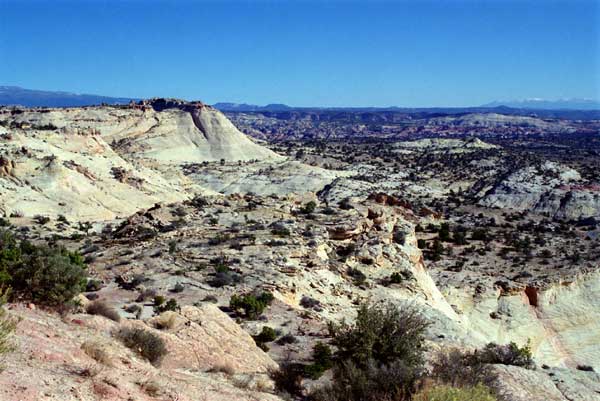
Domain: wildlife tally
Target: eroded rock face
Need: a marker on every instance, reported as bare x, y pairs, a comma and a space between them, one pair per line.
102, 163
550, 189
561, 321
518, 384
204, 337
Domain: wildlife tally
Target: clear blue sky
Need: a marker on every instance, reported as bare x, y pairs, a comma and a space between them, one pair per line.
306, 53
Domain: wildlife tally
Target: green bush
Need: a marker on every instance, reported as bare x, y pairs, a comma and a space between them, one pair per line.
161, 306
308, 208
478, 392
509, 354
288, 378
379, 356
373, 382
144, 342
43, 274
251, 305
267, 335
383, 333
475, 366
322, 361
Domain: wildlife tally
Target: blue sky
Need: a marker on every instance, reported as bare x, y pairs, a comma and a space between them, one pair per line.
306, 53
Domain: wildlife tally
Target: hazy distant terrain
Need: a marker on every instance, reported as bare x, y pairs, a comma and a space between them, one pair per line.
14, 95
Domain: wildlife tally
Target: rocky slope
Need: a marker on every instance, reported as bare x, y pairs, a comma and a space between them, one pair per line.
548, 188
78, 357
101, 163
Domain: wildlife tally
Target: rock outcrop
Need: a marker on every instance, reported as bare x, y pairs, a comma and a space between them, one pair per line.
548, 188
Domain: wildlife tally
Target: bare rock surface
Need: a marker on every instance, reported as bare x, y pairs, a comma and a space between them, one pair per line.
548, 188
78, 358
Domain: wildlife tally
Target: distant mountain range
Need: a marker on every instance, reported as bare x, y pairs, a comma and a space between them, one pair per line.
496, 106
14, 95
544, 104
251, 107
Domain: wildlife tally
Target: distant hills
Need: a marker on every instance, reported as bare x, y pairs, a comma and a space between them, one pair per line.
544, 104
14, 95
251, 107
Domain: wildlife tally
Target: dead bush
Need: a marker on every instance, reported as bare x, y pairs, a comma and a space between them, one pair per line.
103, 309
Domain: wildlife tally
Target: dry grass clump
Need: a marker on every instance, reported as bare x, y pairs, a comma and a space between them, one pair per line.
8, 325
166, 321
103, 309
478, 392
223, 367
97, 352
150, 387
146, 343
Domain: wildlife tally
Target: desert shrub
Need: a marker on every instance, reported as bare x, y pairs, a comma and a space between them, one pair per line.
159, 300
358, 277
480, 234
165, 321
400, 237
309, 302
508, 354
144, 342
93, 285
281, 231
379, 356
288, 378
97, 352
396, 278
447, 363
46, 275
475, 366
251, 305
585, 368
287, 339
170, 305
478, 392
383, 333
444, 232
41, 220
373, 382
224, 278
308, 208
198, 201
345, 251
103, 309
7, 326
266, 335
322, 361
344, 204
